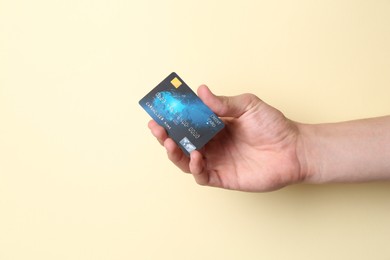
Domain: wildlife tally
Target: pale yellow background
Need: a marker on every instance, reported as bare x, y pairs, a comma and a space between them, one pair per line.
82, 178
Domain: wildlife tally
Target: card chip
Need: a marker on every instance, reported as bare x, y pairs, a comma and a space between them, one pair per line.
176, 82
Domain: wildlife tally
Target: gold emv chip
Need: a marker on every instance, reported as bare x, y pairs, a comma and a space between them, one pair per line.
176, 82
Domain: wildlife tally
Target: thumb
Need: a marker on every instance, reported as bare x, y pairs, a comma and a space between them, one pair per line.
233, 106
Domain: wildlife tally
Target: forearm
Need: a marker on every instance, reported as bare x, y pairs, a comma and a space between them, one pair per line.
354, 151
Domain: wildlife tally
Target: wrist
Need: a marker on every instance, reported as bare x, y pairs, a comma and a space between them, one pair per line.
308, 156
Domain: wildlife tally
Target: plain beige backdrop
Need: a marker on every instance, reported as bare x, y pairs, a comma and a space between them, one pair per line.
81, 177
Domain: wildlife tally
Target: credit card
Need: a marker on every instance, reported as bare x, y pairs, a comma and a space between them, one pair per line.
187, 120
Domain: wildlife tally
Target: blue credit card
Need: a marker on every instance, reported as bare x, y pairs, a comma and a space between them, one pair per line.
187, 120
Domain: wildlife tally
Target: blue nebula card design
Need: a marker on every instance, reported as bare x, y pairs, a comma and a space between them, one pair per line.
187, 120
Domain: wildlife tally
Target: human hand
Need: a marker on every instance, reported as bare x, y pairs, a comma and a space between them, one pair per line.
258, 150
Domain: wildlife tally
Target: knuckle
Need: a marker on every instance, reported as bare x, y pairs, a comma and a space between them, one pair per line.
251, 98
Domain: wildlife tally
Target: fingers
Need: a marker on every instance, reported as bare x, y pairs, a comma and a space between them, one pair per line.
194, 164
158, 131
197, 168
176, 155
223, 106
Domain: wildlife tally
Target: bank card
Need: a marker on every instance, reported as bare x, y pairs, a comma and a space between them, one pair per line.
187, 120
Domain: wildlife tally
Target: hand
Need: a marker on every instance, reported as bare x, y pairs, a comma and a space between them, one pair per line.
256, 151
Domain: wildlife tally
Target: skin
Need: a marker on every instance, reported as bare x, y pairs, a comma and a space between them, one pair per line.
261, 150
